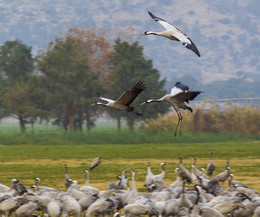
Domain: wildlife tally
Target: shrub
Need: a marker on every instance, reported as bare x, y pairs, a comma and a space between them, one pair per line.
241, 119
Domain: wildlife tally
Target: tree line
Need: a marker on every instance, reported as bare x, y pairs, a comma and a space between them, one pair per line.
61, 82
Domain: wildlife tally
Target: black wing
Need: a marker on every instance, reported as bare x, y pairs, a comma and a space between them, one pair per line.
129, 96
186, 96
192, 47
164, 23
181, 86
156, 18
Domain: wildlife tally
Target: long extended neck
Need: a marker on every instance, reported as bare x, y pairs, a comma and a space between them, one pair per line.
87, 178
66, 171
163, 166
150, 33
123, 174
211, 155
194, 160
180, 157
103, 104
149, 172
133, 182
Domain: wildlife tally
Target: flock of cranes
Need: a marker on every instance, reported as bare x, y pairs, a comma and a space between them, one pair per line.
192, 193
180, 93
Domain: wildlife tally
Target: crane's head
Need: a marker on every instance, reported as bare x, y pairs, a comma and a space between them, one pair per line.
37, 179
95, 103
146, 33
15, 180
146, 101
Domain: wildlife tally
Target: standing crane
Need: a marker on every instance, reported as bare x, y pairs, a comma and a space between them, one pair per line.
173, 33
184, 173
211, 166
124, 101
180, 94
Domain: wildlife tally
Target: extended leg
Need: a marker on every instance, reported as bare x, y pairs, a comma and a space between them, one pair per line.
179, 117
180, 122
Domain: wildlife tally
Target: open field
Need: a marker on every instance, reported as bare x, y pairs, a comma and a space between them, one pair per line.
47, 161
106, 133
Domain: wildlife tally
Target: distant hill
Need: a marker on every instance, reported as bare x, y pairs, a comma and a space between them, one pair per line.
227, 33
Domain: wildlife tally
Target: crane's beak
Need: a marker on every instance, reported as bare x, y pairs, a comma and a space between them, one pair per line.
142, 34
93, 104
143, 103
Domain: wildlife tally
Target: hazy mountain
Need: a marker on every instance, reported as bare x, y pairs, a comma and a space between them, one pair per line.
227, 33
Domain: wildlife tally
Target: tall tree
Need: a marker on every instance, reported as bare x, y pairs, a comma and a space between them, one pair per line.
130, 65
16, 60
95, 47
16, 65
62, 79
19, 102
69, 75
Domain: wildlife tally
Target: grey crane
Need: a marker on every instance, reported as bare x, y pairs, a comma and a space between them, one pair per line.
227, 207
87, 188
54, 208
173, 33
11, 204
120, 184
69, 204
149, 175
123, 180
135, 209
26, 209
3, 188
124, 101
246, 211
68, 180
179, 96
222, 177
195, 209
257, 212
95, 162
210, 212
195, 172
18, 187
213, 185
234, 183
183, 200
177, 181
184, 173
154, 182
42, 188
211, 166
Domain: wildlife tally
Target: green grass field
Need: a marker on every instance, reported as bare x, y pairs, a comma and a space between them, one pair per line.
105, 133
47, 161
44, 152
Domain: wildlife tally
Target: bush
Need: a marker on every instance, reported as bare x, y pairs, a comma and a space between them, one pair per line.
240, 119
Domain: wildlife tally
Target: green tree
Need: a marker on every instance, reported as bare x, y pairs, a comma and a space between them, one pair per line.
95, 47
16, 60
19, 102
130, 65
16, 65
67, 78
